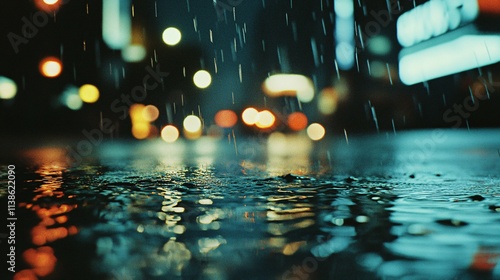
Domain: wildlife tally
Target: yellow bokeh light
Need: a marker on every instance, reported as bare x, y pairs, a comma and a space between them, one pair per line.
141, 130
171, 36
192, 135
89, 93
135, 112
50, 67
50, 2
192, 124
316, 131
202, 79
150, 113
8, 88
170, 134
327, 101
266, 119
250, 116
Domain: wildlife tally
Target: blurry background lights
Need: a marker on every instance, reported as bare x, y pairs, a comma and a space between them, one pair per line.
265, 119
150, 113
192, 123
133, 53
226, 118
116, 23
136, 113
344, 33
250, 116
141, 116
327, 101
297, 121
48, 5
289, 85
379, 45
171, 36
141, 130
192, 127
169, 134
8, 88
316, 131
50, 67
202, 79
71, 99
88, 93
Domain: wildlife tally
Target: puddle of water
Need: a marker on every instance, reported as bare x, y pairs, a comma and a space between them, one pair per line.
143, 214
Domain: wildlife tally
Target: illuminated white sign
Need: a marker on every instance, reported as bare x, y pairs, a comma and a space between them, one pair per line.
434, 18
457, 51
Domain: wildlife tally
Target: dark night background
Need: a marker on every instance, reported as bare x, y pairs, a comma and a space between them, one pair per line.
75, 37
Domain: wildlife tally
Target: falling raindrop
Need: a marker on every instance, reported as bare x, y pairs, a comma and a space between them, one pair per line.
389, 9
234, 141
240, 73
472, 96
357, 59
337, 69
389, 73
375, 120
426, 86
314, 49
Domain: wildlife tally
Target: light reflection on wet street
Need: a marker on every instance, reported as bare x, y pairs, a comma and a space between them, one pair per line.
412, 206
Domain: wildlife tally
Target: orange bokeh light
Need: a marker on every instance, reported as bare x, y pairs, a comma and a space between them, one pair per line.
48, 5
41, 259
150, 113
297, 121
226, 118
50, 67
25, 274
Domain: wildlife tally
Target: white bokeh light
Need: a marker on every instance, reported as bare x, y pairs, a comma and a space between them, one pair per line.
171, 36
